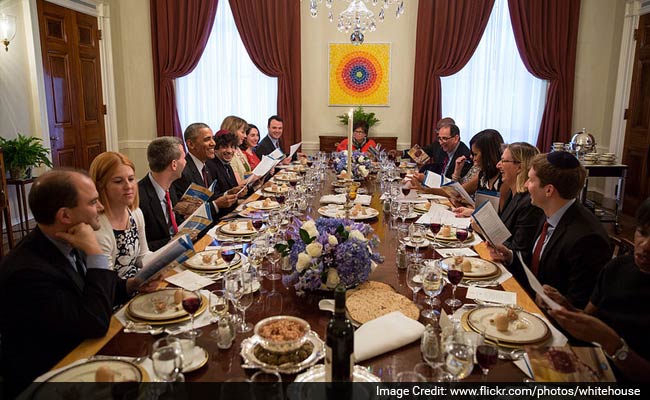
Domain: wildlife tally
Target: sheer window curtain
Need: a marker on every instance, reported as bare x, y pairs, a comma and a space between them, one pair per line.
226, 82
494, 90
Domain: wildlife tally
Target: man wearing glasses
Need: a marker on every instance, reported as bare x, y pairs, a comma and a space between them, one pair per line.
449, 149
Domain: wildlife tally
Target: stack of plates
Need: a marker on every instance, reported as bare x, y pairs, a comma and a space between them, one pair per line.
481, 269
160, 308
211, 262
590, 159
557, 146
527, 329
607, 159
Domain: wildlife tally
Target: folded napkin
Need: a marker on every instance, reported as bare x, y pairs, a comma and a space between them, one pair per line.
362, 199
384, 334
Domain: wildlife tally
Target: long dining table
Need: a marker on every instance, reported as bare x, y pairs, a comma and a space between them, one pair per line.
274, 298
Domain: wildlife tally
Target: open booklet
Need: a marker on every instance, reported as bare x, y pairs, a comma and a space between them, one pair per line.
491, 225
192, 199
278, 155
375, 151
433, 180
418, 155
154, 263
197, 222
457, 194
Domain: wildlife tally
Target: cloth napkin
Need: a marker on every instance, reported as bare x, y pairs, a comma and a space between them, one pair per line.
362, 199
384, 334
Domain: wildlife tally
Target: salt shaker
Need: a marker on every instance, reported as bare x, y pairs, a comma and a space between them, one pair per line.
401, 257
225, 332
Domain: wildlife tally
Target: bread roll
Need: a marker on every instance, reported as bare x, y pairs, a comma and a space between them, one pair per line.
466, 266
501, 322
104, 374
445, 231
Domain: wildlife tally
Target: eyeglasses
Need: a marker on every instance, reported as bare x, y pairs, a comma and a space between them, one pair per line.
444, 139
507, 161
360, 132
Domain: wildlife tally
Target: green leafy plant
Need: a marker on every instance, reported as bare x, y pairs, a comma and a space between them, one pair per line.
359, 115
22, 153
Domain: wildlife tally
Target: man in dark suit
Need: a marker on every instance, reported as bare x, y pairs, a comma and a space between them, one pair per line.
572, 245
224, 177
272, 140
56, 282
432, 148
166, 157
200, 145
450, 148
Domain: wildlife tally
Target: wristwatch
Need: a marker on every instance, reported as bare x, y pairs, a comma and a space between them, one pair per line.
621, 353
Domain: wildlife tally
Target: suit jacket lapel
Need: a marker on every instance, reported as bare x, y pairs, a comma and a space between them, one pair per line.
558, 233
58, 261
193, 172
154, 203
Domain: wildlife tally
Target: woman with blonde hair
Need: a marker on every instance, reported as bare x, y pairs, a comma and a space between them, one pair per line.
239, 162
122, 234
518, 214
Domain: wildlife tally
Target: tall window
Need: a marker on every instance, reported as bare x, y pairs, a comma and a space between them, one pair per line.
495, 90
226, 82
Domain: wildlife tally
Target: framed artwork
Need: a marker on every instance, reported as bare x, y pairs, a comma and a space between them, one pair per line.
359, 75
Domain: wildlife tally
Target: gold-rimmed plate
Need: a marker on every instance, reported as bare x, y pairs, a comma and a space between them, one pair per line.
355, 214
239, 227
211, 260
287, 177
480, 268
262, 205
143, 308
277, 189
451, 238
526, 329
124, 371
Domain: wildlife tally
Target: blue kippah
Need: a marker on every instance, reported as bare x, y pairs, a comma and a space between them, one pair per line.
562, 160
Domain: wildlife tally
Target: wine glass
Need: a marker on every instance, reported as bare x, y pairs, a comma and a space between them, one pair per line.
245, 299
458, 355
455, 275
435, 229
406, 190
432, 285
461, 235
218, 306
167, 359
487, 355
228, 254
413, 278
430, 347
405, 210
258, 222
273, 256
191, 304
416, 234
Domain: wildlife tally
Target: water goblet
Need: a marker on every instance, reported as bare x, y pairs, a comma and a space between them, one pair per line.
431, 348
245, 299
413, 278
218, 307
416, 234
167, 359
455, 275
432, 285
273, 256
191, 304
458, 354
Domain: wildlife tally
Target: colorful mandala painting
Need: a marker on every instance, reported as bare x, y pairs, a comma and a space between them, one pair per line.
359, 75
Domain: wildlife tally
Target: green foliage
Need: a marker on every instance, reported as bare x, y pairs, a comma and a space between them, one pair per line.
359, 115
304, 236
284, 249
24, 152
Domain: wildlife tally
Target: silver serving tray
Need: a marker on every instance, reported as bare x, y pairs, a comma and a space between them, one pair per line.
250, 361
317, 374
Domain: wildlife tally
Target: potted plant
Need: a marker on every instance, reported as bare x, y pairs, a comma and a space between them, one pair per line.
23, 153
360, 115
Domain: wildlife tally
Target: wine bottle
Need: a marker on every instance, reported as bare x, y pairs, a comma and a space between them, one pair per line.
339, 342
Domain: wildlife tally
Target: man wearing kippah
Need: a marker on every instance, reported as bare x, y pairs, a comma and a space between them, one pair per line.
572, 245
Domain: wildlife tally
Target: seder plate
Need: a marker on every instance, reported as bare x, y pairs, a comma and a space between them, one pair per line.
250, 360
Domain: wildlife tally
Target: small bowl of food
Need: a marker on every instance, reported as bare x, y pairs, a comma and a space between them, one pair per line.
282, 333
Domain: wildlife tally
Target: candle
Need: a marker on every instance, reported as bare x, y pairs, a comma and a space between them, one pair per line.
350, 123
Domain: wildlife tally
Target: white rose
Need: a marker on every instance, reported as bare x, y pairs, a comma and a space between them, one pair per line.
303, 261
356, 234
361, 159
332, 278
314, 249
363, 171
331, 239
310, 228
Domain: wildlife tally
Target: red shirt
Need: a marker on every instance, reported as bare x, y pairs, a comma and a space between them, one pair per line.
343, 146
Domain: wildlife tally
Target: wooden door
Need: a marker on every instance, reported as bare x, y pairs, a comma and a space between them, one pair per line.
73, 87
636, 150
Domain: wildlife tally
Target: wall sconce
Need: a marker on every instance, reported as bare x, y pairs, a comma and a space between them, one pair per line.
7, 29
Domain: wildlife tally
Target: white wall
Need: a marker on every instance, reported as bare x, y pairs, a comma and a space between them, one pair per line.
320, 119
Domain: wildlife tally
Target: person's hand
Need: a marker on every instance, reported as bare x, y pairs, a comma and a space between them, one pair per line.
588, 328
414, 183
458, 168
392, 153
226, 200
236, 191
419, 176
500, 253
286, 161
559, 298
82, 237
461, 212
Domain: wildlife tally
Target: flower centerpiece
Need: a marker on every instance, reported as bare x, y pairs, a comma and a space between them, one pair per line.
360, 164
329, 251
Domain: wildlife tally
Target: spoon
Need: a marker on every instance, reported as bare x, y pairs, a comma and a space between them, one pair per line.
511, 355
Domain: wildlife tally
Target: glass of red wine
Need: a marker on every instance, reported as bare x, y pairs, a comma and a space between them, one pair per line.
406, 190
280, 198
191, 304
228, 255
402, 173
258, 222
455, 275
293, 182
487, 355
461, 235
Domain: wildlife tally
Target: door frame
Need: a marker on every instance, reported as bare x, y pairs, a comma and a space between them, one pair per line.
96, 9
633, 11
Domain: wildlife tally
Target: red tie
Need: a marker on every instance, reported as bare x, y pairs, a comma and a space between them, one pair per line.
172, 217
205, 176
444, 164
538, 248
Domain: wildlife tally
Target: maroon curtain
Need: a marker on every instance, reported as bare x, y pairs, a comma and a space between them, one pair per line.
448, 33
179, 33
270, 31
546, 32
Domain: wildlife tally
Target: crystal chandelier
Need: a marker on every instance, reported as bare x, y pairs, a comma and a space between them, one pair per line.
357, 18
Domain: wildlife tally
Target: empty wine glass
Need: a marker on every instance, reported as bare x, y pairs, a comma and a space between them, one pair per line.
245, 299
432, 285
191, 304
167, 359
455, 275
218, 307
413, 278
405, 210
273, 256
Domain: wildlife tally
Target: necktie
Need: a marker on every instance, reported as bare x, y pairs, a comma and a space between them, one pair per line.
444, 165
204, 173
79, 263
538, 249
172, 217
